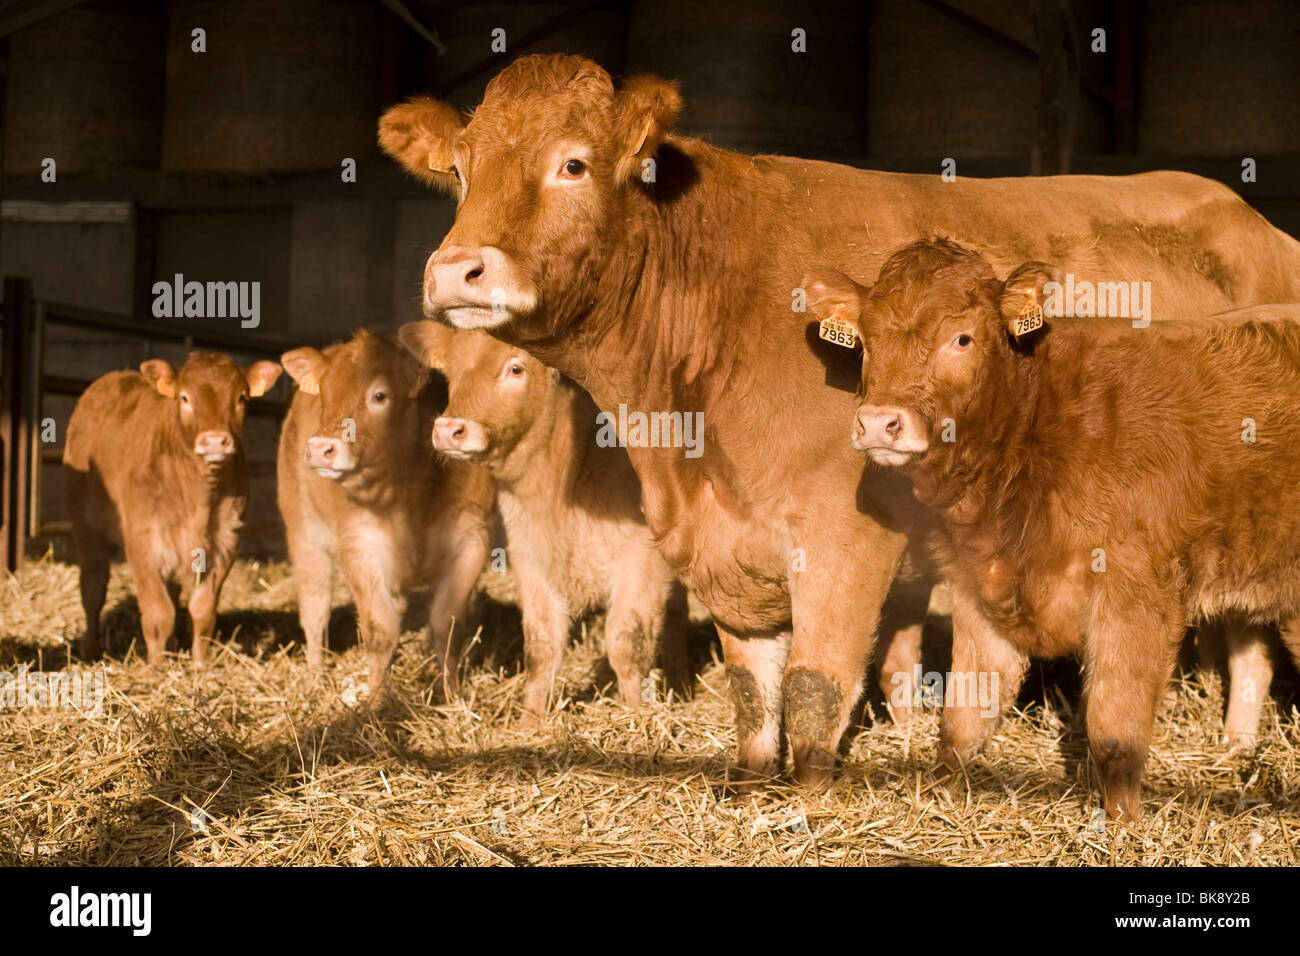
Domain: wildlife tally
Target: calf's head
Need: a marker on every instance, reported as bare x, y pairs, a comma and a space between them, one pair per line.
369, 404
938, 345
496, 392
210, 393
543, 172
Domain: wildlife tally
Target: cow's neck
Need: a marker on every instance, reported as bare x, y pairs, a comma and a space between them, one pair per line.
677, 274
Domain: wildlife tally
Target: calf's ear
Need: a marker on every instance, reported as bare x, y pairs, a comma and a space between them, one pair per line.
834, 295
645, 109
1023, 298
160, 375
261, 376
427, 340
419, 135
304, 366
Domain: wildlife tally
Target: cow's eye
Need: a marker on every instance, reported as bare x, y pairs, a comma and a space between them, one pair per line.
185, 398
516, 369
573, 169
962, 342
379, 397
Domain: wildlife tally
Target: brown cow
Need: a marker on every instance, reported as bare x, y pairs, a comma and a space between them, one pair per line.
571, 508
153, 463
1099, 487
361, 490
662, 274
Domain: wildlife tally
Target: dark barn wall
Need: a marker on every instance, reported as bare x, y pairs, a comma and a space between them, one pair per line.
226, 165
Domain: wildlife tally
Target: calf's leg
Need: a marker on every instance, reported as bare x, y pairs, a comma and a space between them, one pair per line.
899, 651
981, 650
95, 552
635, 624
203, 609
313, 573
1129, 655
157, 612
546, 621
450, 606
1250, 672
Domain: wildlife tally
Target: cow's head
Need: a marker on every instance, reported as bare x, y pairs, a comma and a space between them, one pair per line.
496, 392
939, 345
210, 392
544, 171
369, 404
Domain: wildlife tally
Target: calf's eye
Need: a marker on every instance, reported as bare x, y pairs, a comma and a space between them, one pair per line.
962, 342
378, 398
516, 369
185, 398
573, 169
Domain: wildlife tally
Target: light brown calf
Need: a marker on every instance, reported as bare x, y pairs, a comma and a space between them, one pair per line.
1100, 486
153, 464
571, 508
360, 490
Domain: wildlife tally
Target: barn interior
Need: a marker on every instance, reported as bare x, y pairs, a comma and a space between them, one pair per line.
233, 141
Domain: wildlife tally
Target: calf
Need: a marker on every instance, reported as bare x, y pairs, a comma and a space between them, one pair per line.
153, 464
571, 508
361, 490
1099, 487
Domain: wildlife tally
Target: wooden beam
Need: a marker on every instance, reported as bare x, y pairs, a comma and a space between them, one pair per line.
1058, 72
15, 441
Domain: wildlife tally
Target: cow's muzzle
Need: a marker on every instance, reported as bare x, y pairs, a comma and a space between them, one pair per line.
889, 436
214, 445
475, 288
459, 437
331, 457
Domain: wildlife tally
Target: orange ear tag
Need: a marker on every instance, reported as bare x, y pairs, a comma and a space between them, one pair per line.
837, 330
1029, 319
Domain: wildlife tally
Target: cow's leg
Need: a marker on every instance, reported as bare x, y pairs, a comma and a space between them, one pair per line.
1129, 655
836, 600
1250, 672
95, 552
157, 612
313, 573
450, 606
899, 649
755, 664
203, 609
980, 653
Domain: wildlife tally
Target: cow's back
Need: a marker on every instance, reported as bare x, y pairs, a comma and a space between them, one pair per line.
1200, 244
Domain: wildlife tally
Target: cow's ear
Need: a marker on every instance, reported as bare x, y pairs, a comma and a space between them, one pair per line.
261, 376
833, 295
419, 135
1023, 298
304, 366
160, 375
644, 111
427, 340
